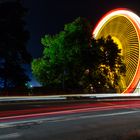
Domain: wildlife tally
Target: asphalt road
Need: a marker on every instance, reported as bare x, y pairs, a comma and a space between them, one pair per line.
96, 121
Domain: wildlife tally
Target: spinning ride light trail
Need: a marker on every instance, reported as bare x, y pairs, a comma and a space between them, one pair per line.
124, 27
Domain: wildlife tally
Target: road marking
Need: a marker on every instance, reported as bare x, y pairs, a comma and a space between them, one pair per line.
10, 136
111, 114
95, 116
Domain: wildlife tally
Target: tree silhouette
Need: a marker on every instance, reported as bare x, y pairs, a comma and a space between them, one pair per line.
13, 39
105, 66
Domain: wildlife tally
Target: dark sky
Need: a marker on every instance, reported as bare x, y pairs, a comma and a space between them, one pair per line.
49, 16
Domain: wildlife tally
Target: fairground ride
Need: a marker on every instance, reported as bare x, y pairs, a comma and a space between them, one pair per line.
124, 27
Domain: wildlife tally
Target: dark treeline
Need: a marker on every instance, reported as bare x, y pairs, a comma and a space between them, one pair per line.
13, 39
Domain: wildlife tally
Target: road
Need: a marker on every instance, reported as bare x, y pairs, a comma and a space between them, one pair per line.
109, 120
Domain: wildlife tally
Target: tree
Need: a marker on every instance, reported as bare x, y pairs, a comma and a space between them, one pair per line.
74, 59
104, 75
13, 39
61, 63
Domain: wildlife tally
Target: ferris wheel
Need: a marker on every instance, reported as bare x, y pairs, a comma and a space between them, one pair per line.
124, 27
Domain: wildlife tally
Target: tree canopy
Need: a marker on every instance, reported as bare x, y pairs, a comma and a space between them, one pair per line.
106, 66
13, 39
74, 59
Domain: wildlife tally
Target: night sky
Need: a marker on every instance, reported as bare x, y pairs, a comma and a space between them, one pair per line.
49, 16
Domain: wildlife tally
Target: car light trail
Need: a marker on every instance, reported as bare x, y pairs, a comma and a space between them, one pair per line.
71, 110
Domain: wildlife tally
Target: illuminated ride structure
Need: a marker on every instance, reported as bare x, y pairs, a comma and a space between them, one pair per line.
124, 28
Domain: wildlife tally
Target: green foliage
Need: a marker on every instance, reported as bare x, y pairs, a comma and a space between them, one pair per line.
74, 59
62, 55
